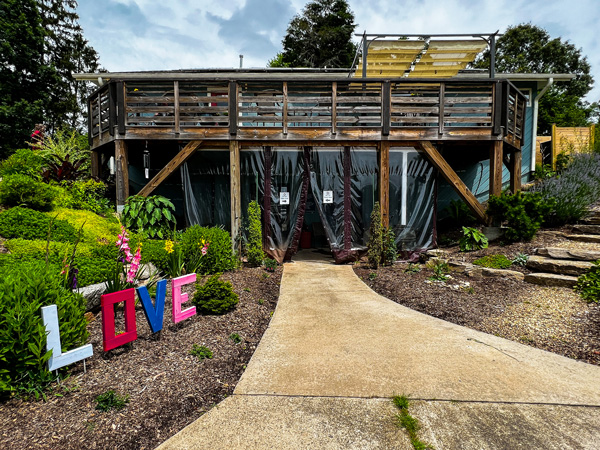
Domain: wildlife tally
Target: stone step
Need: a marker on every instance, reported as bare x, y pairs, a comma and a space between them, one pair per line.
559, 266
584, 237
568, 253
586, 229
551, 279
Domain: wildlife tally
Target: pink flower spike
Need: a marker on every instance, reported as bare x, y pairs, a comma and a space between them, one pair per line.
130, 277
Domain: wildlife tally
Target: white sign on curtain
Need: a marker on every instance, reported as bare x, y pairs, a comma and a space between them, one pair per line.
327, 196
284, 198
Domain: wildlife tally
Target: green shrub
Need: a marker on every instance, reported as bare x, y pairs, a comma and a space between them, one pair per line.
440, 270
219, 256
153, 216
201, 352
111, 400
85, 195
390, 251
494, 262
153, 251
96, 229
571, 193
375, 244
472, 239
254, 247
215, 296
22, 190
26, 223
67, 143
22, 162
588, 284
270, 265
24, 289
523, 212
520, 259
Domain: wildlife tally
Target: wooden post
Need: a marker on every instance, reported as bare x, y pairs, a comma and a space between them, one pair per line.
441, 108
386, 105
515, 172
173, 165
95, 164
236, 193
384, 181
176, 106
284, 114
451, 177
121, 114
122, 173
496, 168
333, 107
233, 107
554, 146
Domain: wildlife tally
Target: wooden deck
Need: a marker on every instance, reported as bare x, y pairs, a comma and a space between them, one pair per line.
238, 110
312, 111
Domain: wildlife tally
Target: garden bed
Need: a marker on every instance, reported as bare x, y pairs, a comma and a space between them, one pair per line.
168, 388
552, 319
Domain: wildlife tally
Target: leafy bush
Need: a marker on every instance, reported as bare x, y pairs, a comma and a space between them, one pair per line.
24, 289
219, 256
494, 262
215, 296
111, 400
270, 265
440, 269
22, 162
375, 243
390, 251
201, 352
520, 259
254, 248
155, 253
85, 195
67, 143
472, 239
21, 190
29, 224
152, 216
96, 229
523, 212
64, 170
588, 284
571, 193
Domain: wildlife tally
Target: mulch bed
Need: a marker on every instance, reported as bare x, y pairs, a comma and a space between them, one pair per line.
168, 388
552, 319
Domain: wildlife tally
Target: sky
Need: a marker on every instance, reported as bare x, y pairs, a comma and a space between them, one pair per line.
137, 35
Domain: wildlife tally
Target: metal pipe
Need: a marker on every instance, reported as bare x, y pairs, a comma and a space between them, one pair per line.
535, 104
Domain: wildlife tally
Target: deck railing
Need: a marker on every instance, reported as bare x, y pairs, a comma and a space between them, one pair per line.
189, 105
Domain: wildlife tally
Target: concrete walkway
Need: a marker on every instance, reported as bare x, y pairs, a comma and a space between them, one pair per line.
335, 352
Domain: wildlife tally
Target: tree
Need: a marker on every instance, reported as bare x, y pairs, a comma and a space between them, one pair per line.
320, 37
23, 75
41, 45
527, 48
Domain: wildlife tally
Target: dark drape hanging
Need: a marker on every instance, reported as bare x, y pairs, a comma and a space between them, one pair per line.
293, 248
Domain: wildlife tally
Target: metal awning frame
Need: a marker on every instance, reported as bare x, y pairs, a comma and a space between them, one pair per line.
367, 39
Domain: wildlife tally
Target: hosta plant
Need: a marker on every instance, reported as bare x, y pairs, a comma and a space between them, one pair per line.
152, 216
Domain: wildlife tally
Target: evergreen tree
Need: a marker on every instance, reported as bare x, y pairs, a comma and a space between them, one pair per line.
41, 45
320, 37
527, 48
24, 77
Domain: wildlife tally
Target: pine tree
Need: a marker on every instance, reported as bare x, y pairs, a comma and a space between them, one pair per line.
41, 46
320, 37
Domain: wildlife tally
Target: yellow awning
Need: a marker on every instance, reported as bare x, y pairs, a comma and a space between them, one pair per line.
390, 58
446, 58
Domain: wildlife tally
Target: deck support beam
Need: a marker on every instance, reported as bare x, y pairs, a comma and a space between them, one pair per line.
95, 163
513, 164
171, 167
383, 182
121, 173
453, 179
496, 168
236, 192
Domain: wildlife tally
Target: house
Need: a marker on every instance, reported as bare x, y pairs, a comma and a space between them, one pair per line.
317, 147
